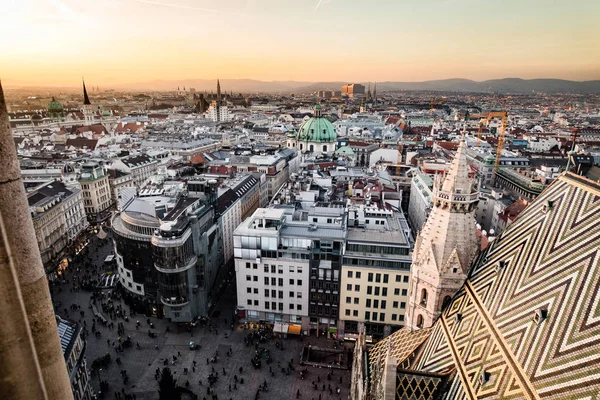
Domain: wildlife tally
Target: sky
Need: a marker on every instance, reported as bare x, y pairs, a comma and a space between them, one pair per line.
56, 42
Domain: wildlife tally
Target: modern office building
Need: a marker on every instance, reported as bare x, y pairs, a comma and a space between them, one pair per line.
288, 270
169, 254
375, 273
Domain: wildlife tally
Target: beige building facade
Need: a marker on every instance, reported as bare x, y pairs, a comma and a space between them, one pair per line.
95, 189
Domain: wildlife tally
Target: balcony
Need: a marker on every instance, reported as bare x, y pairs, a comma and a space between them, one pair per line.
177, 268
174, 301
456, 197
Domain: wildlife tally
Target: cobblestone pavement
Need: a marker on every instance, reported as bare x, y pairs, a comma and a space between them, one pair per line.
141, 364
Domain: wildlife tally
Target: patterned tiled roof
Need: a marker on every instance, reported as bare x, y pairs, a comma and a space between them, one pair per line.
525, 325
403, 343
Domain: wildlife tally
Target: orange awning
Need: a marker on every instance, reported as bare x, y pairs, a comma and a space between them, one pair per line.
295, 329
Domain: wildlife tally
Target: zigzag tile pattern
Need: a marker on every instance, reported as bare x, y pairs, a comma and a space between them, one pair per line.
549, 260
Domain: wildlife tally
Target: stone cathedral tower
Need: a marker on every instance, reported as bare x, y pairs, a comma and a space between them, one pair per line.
446, 245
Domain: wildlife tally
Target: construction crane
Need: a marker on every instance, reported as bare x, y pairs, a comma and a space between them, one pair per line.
488, 118
433, 103
500, 144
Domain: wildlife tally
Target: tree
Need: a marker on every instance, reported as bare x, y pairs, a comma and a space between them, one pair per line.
167, 386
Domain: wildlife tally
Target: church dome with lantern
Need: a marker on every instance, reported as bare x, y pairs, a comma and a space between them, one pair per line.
316, 134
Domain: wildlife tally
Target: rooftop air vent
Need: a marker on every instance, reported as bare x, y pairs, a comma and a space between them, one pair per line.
457, 317
540, 315
500, 266
484, 377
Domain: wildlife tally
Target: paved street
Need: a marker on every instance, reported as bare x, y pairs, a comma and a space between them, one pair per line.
141, 364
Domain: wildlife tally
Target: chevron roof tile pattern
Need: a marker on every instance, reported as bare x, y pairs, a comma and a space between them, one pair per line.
526, 324
403, 344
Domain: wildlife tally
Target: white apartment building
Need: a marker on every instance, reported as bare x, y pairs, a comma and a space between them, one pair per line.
58, 219
420, 200
375, 273
141, 167
219, 113
272, 285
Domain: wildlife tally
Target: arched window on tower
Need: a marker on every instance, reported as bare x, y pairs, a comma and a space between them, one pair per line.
419, 321
301, 146
312, 148
324, 148
446, 302
424, 297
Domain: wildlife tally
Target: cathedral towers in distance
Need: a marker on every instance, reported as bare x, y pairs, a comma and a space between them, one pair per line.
446, 245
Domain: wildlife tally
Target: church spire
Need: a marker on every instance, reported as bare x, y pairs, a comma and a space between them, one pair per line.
86, 99
446, 245
218, 92
375, 93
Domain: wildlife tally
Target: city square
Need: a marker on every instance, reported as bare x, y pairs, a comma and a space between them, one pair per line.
173, 342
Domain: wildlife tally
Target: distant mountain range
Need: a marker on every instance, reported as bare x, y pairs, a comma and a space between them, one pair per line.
506, 86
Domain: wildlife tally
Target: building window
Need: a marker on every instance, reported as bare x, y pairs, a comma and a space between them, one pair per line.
375, 303
273, 281
299, 307
299, 282
248, 277
254, 266
280, 281
384, 291
374, 315
291, 281
355, 313
266, 292
367, 315
402, 304
291, 269
255, 278
369, 289
378, 278
381, 317
419, 321
266, 280
357, 288
291, 294
248, 265
357, 275
249, 302
281, 294
368, 305
266, 268
266, 305
248, 290
383, 304
394, 317
348, 300
299, 295
291, 306
349, 287
348, 312
280, 306
405, 280
255, 290
370, 277
349, 274
376, 290
404, 292
424, 297
299, 270
356, 300
256, 302
395, 304
385, 278
401, 317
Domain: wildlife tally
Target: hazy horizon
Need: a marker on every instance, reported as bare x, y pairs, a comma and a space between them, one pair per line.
55, 42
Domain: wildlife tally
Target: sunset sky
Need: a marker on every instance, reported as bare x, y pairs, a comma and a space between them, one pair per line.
123, 41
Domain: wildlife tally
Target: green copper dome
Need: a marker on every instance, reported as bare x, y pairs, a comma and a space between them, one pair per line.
54, 106
317, 129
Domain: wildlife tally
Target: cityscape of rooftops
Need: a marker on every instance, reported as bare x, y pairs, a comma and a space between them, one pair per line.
311, 199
